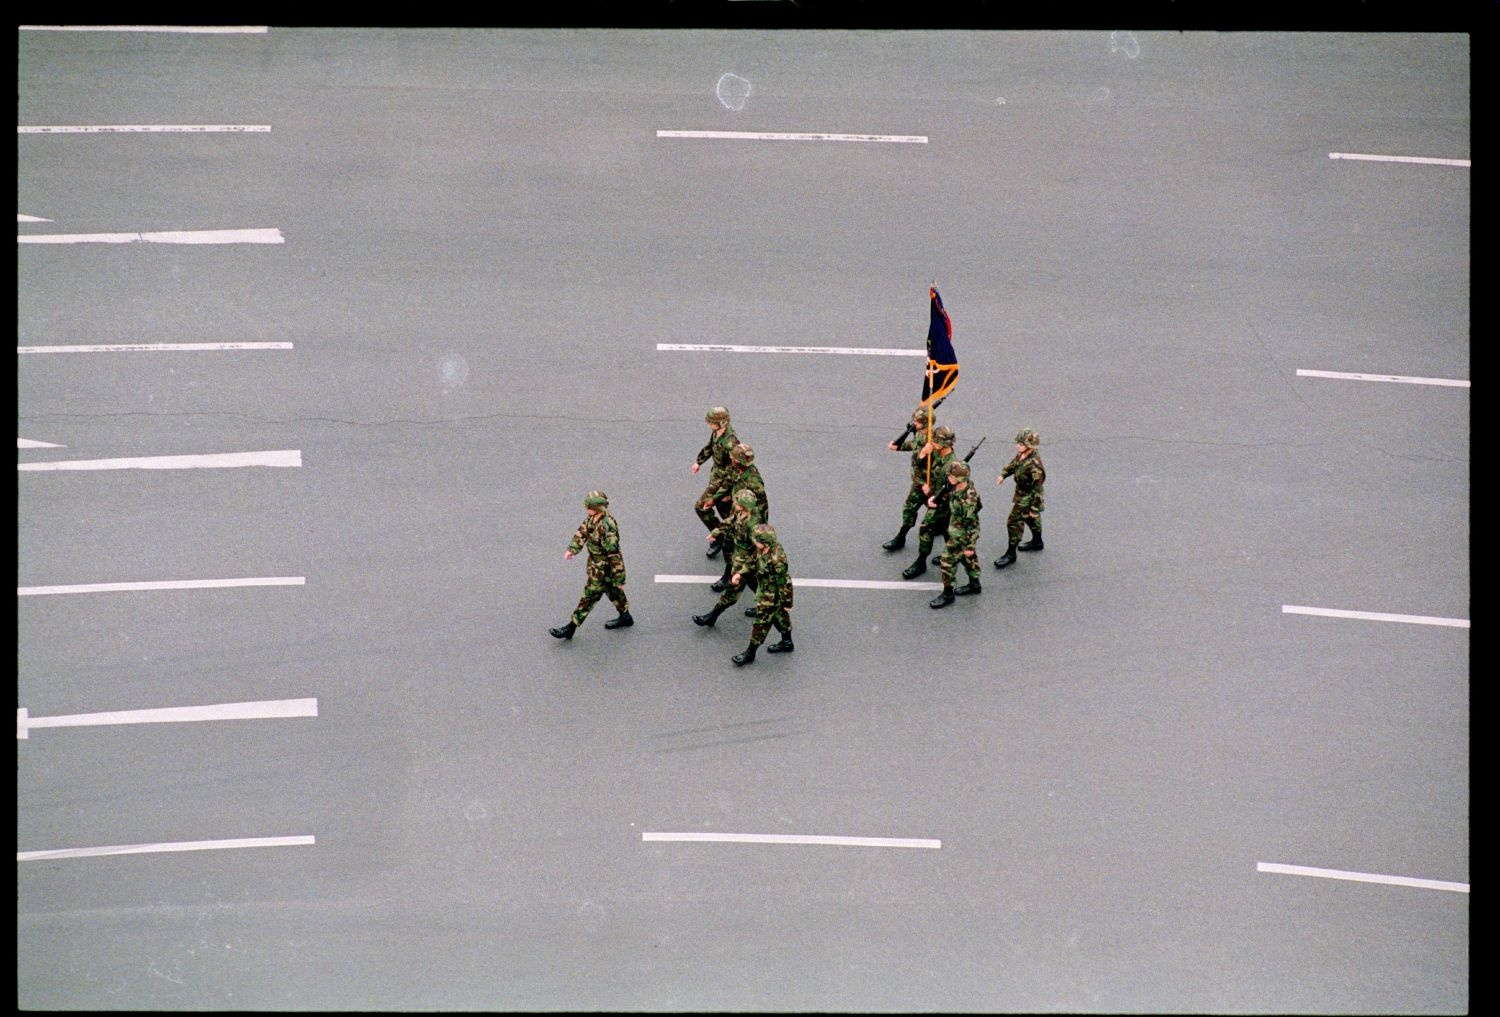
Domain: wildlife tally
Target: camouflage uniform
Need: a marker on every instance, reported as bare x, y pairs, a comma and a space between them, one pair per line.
743, 474
606, 565
773, 607
963, 535
717, 449
742, 558
935, 522
913, 443
1026, 504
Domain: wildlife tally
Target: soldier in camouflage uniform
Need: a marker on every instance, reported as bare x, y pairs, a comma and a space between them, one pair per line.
740, 568
963, 535
1026, 507
741, 474
711, 508
915, 442
774, 606
935, 523
606, 566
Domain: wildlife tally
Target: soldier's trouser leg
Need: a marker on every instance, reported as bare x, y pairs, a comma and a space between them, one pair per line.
1013, 524
592, 591
1034, 524
616, 595
730, 595
716, 511
915, 502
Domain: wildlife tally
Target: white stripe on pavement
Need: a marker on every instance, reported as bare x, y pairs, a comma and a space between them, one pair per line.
844, 350
1422, 159
846, 584
904, 139
28, 443
22, 217
792, 838
209, 461
1360, 877
181, 845
1403, 379
265, 709
189, 29
169, 584
147, 129
1409, 619
154, 348
255, 236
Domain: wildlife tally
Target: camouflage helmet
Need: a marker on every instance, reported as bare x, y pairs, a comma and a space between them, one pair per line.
943, 435
742, 453
1027, 436
745, 498
717, 415
595, 499
764, 534
921, 416
959, 471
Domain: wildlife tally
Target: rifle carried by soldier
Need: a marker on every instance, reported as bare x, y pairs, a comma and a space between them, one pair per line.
947, 488
911, 425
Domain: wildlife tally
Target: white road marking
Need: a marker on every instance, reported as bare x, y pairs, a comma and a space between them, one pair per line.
28, 443
209, 461
265, 709
181, 845
1403, 379
793, 838
149, 129
849, 584
844, 350
21, 217
905, 139
169, 584
1399, 158
190, 29
1410, 619
154, 348
256, 236
1360, 877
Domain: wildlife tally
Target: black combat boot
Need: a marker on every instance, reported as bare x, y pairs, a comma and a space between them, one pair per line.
972, 588
1008, 558
722, 583
622, 622
1035, 543
711, 617
916, 568
566, 632
942, 599
747, 657
785, 646
897, 542
713, 547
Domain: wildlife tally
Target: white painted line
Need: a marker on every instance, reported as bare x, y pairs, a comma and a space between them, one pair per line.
189, 29
792, 838
258, 236
20, 217
844, 350
210, 461
902, 139
170, 584
846, 584
154, 348
28, 443
266, 709
1360, 877
148, 129
1403, 379
181, 845
1409, 619
1422, 159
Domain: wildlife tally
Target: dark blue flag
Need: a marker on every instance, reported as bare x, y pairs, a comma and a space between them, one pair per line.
942, 363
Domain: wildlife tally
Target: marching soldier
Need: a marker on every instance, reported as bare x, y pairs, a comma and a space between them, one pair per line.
712, 509
914, 442
935, 521
1026, 506
774, 607
963, 535
739, 566
605, 573
742, 473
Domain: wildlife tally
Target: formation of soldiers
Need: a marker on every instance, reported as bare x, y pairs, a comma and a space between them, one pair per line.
735, 511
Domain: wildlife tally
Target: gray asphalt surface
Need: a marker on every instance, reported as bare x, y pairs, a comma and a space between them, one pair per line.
485, 241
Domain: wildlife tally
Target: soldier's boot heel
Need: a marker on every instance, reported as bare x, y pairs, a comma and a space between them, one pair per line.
710, 618
1008, 558
713, 548
1035, 543
746, 657
897, 542
942, 599
916, 568
566, 632
722, 583
785, 646
622, 622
